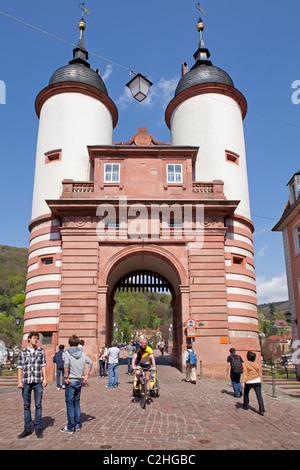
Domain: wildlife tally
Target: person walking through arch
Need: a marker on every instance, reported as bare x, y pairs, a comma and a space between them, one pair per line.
251, 379
235, 366
113, 365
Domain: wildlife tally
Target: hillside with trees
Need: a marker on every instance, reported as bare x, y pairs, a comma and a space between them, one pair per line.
142, 310
13, 270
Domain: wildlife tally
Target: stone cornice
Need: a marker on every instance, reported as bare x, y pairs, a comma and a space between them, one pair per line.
76, 87
202, 89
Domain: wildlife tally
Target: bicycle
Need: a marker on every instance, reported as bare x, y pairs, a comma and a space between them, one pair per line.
142, 390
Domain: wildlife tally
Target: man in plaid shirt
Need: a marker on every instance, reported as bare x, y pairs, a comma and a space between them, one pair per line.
32, 376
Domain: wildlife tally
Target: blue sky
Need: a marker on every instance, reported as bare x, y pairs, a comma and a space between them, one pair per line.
256, 43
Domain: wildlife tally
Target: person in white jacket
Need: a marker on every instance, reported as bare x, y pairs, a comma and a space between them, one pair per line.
74, 365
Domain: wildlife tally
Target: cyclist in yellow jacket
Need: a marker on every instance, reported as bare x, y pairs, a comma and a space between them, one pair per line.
145, 356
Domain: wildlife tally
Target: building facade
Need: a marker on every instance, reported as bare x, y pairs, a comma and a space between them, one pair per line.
142, 213
289, 225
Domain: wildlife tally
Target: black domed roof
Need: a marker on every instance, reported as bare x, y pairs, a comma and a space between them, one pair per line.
203, 71
78, 72
203, 74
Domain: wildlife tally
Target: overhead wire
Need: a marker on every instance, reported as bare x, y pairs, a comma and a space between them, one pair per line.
131, 71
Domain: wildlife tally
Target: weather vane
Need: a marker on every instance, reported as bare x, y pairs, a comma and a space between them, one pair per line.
198, 6
84, 9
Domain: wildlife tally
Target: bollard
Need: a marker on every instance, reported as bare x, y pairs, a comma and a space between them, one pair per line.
273, 382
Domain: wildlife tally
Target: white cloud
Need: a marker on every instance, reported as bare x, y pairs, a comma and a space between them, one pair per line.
271, 290
262, 251
125, 99
160, 94
107, 72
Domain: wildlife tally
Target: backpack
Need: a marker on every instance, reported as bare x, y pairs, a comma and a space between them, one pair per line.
193, 358
236, 365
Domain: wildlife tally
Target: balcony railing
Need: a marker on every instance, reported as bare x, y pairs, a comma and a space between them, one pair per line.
86, 189
213, 190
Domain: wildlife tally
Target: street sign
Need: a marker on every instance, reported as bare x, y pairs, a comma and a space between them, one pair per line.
190, 323
191, 327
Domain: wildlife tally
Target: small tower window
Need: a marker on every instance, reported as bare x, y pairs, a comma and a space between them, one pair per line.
53, 156
46, 339
112, 173
232, 157
47, 261
174, 173
238, 260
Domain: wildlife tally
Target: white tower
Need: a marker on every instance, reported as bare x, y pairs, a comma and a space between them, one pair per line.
207, 112
74, 112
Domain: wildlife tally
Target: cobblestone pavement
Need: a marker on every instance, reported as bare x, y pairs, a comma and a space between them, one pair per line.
184, 417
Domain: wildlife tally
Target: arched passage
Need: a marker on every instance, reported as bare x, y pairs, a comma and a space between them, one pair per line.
163, 265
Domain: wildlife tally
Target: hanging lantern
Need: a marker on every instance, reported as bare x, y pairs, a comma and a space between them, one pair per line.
139, 87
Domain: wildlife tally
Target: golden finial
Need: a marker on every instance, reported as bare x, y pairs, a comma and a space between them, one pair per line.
81, 25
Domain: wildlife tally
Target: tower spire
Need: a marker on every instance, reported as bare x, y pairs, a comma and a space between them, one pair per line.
80, 54
202, 54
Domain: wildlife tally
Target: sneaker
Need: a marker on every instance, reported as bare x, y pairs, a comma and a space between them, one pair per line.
66, 430
58, 388
77, 428
25, 433
108, 386
39, 433
63, 387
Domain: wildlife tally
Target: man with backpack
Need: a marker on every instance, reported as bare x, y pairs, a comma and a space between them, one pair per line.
235, 365
190, 362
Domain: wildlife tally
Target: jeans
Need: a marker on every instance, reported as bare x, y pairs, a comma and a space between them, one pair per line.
129, 362
38, 395
101, 368
60, 372
72, 397
236, 383
113, 371
257, 389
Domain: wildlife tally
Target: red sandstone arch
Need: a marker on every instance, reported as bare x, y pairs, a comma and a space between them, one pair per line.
161, 261
122, 262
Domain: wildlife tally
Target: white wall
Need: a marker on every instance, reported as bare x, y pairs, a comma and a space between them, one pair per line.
71, 122
214, 123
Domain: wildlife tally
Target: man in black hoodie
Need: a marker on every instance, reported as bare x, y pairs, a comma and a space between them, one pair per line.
74, 364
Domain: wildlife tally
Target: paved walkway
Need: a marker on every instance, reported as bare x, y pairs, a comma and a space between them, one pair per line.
185, 417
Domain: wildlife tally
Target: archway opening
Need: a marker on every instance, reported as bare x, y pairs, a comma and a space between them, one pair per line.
152, 283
